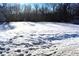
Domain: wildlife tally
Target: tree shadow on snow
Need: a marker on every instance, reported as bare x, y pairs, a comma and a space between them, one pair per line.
62, 37
6, 26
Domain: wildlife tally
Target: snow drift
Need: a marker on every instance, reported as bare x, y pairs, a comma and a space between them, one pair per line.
47, 37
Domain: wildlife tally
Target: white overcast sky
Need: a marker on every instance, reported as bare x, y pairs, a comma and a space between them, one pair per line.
39, 1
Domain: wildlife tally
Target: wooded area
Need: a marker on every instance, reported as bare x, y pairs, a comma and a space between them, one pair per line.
53, 12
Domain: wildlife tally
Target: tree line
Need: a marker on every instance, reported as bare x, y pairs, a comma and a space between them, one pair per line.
52, 12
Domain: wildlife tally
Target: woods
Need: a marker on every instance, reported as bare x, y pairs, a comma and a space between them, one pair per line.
52, 12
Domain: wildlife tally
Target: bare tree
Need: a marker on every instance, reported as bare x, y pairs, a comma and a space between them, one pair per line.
27, 12
36, 8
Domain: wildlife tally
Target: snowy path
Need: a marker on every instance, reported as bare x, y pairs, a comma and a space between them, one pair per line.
41, 39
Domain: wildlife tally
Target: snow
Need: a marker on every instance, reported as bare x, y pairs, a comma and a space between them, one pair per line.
47, 37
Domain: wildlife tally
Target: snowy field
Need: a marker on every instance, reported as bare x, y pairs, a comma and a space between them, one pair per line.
39, 39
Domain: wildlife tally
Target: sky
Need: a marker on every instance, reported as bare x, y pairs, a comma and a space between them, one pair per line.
25, 1
39, 1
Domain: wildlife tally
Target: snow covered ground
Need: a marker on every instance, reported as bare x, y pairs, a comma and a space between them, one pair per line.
39, 39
